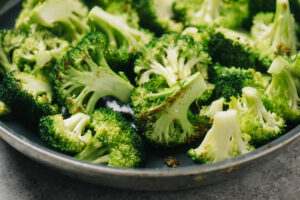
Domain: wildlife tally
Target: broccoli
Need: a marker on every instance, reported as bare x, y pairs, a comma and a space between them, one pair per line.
211, 110
4, 110
281, 97
275, 35
223, 141
115, 142
9, 41
83, 76
172, 56
65, 18
69, 135
230, 81
163, 114
229, 14
124, 40
28, 95
157, 16
262, 126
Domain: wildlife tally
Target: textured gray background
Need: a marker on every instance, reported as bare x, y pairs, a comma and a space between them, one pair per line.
24, 179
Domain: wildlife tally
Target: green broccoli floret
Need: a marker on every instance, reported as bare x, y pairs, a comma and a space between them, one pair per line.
223, 141
115, 142
172, 56
157, 16
4, 110
9, 41
28, 95
282, 97
66, 18
275, 35
83, 77
69, 135
262, 126
163, 114
230, 81
213, 108
222, 13
124, 40
39, 50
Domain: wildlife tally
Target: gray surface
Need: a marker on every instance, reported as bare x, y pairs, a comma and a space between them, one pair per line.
22, 179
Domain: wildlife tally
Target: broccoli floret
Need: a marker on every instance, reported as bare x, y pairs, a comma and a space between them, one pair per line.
124, 41
9, 41
275, 35
115, 142
163, 114
83, 77
157, 16
261, 125
230, 81
231, 48
39, 50
66, 18
69, 135
172, 56
222, 13
223, 141
282, 95
4, 110
211, 110
28, 95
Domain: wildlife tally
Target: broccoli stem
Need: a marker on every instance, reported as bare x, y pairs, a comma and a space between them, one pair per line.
77, 123
95, 153
209, 10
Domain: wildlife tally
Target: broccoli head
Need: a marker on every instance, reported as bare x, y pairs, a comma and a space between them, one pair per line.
115, 142
65, 18
9, 41
69, 135
230, 81
204, 13
27, 94
281, 97
163, 114
157, 15
262, 126
223, 141
83, 76
124, 40
172, 56
275, 35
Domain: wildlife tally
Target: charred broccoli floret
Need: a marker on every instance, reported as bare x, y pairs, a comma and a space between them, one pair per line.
65, 18
275, 35
262, 125
230, 81
115, 142
69, 135
163, 114
282, 97
222, 13
28, 95
157, 15
172, 56
223, 141
124, 39
83, 77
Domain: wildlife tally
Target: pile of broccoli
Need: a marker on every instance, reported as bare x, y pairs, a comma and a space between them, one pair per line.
221, 74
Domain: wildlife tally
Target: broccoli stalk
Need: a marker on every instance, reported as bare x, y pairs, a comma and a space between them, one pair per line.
211, 110
172, 56
256, 121
69, 135
167, 119
83, 77
223, 141
282, 94
276, 35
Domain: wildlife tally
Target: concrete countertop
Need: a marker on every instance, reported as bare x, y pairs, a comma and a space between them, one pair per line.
24, 179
